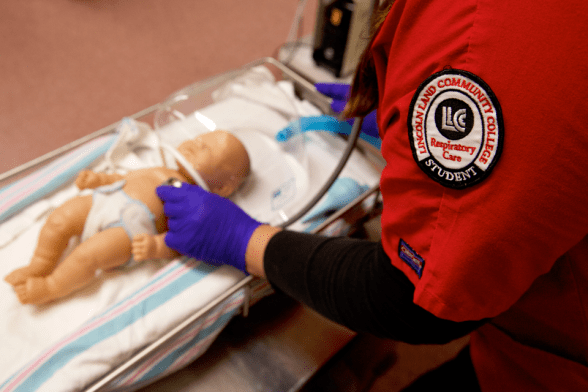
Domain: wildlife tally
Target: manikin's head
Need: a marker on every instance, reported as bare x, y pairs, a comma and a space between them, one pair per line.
220, 159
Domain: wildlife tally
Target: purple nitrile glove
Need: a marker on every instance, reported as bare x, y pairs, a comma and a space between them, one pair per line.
339, 92
206, 226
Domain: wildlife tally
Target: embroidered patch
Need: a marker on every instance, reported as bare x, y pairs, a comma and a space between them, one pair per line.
410, 257
455, 128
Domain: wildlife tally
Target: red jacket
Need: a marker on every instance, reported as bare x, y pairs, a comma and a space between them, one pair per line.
484, 121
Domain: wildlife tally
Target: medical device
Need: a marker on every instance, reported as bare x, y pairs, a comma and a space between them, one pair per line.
341, 33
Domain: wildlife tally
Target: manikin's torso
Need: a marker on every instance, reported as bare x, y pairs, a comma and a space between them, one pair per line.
141, 185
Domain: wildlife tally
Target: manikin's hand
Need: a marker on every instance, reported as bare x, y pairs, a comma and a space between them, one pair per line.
88, 179
143, 247
206, 226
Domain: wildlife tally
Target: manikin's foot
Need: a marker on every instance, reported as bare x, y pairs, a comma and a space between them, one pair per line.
37, 267
34, 291
20, 276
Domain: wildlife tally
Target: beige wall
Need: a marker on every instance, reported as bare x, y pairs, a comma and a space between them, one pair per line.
71, 67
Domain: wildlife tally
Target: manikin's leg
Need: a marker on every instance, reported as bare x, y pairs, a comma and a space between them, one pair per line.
108, 249
63, 223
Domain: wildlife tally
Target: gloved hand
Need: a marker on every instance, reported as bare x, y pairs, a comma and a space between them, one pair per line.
340, 94
206, 226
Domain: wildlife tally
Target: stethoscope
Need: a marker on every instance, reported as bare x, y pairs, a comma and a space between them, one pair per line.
283, 136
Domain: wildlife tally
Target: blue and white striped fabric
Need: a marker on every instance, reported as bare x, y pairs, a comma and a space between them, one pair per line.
184, 349
105, 341
33, 187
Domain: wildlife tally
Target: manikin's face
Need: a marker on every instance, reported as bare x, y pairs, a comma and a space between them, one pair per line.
219, 158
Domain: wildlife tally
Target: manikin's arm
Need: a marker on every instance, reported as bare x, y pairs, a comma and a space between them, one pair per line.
88, 179
146, 246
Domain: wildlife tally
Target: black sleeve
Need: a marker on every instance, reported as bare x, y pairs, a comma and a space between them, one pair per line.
353, 283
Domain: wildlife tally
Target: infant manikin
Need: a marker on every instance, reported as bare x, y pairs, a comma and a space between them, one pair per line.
122, 222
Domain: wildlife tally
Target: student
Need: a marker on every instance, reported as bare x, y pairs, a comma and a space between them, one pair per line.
482, 113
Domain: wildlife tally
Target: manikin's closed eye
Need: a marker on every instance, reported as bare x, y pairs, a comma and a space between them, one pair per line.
187, 166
